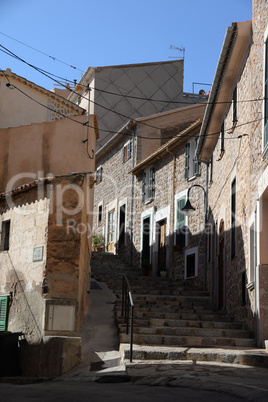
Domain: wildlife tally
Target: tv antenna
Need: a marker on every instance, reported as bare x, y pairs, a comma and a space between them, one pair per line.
179, 49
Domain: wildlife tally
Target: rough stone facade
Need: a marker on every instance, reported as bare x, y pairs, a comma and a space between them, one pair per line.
169, 183
117, 187
48, 291
237, 279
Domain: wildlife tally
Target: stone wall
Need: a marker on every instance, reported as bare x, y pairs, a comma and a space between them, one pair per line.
164, 200
112, 191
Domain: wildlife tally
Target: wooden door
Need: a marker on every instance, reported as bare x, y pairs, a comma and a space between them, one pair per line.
111, 229
162, 232
221, 267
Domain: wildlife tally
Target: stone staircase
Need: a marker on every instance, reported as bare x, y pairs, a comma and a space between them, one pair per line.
167, 314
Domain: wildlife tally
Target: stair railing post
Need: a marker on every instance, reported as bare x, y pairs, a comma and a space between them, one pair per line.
127, 318
123, 296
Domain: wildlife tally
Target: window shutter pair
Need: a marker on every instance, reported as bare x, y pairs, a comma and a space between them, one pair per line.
3, 312
148, 188
126, 152
194, 169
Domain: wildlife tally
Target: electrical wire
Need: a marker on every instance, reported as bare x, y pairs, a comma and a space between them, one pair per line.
8, 52
40, 51
82, 96
12, 86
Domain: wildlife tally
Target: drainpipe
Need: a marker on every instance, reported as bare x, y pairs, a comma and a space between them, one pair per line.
172, 210
205, 234
132, 198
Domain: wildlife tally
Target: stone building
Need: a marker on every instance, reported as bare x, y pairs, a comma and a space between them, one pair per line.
46, 186
45, 269
22, 102
163, 234
234, 136
117, 195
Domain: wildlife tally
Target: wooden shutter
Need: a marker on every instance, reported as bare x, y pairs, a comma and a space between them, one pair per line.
233, 217
265, 140
195, 158
128, 150
143, 187
187, 159
235, 105
180, 224
3, 312
151, 183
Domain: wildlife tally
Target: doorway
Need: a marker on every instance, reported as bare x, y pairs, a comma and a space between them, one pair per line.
111, 230
146, 239
162, 249
221, 267
122, 225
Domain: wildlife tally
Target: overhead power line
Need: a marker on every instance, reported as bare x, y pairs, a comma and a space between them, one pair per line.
47, 74
40, 51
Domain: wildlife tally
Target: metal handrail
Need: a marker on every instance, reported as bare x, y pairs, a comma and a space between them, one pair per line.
126, 302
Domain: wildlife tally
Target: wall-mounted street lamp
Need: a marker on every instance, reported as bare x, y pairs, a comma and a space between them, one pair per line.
189, 210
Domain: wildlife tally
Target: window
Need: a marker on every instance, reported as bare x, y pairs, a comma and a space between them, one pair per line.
3, 312
191, 262
148, 185
181, 228
222, 139
98, 176
235, 107
122, 225
211, 169
5, 235
265, 133
191, 162
100, 215
126, 152
233, 213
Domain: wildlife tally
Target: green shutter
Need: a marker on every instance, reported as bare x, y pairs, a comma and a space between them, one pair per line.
151, 183
180, 223
143, 186
195, 158
128, 150
3, 312
187, 157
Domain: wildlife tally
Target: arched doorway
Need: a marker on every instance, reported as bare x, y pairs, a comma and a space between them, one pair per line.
221, 282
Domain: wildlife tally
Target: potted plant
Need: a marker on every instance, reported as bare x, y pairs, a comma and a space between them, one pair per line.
97, 242
146, 267
163, 270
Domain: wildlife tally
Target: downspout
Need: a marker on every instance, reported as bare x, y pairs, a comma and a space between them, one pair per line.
171, 252
132, 198
205, 230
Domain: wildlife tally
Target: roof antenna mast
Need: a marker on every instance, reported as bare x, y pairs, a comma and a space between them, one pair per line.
180, 49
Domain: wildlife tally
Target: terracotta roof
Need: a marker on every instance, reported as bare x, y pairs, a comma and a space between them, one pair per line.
186, 128
36, 183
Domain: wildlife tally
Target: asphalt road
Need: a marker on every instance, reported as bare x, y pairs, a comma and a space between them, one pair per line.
53, 391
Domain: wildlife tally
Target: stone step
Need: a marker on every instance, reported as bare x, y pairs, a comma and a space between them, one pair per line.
245, 356
189, 332
169, 340
183, 323
179, 316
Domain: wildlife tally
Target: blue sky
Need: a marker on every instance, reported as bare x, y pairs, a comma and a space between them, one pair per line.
85, 33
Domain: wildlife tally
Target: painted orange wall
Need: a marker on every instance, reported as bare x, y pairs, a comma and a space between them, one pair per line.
42, 149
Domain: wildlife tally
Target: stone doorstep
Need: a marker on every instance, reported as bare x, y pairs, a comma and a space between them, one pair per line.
245, 356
